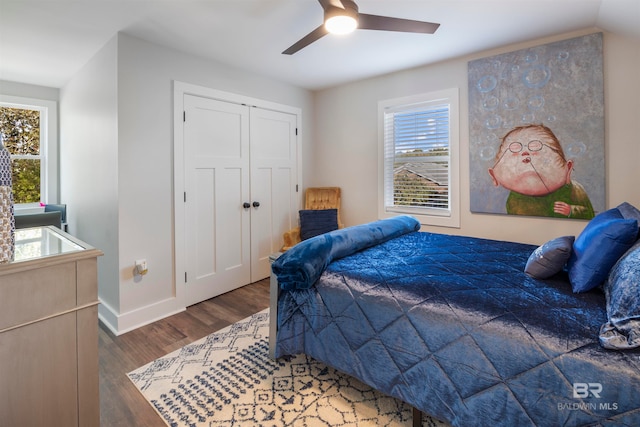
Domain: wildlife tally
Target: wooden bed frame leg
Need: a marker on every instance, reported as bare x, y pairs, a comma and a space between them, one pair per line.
417, 417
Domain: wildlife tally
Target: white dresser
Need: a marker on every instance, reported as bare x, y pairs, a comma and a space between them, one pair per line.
49, 331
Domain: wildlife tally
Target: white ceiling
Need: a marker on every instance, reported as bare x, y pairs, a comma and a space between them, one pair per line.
45, 42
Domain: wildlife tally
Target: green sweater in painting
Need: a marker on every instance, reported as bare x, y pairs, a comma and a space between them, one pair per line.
572, 194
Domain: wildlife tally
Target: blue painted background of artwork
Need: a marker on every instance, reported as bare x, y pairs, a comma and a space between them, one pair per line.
559, 85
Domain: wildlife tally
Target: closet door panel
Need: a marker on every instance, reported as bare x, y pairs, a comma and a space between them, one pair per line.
273, 178
216, 153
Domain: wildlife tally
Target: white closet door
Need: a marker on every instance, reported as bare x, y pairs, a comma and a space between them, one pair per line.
273, 184
217, 227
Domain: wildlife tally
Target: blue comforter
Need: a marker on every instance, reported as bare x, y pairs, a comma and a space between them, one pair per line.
452, 326
301, 267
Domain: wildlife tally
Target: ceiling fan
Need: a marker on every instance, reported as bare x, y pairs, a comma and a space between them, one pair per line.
342, 16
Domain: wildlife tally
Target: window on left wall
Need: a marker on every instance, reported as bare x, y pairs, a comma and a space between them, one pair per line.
29, 135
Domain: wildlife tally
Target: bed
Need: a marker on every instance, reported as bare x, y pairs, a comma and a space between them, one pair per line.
454, 326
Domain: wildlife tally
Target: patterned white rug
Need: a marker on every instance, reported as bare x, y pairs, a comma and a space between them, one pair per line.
227, 379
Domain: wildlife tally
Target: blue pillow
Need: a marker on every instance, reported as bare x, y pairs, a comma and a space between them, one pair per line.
628, 211
602, 242
314, 222
550, 258
622, 292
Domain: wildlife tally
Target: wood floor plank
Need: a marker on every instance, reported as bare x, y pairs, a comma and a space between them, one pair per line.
121, 404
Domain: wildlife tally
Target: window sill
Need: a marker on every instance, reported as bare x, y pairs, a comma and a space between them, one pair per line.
27, 208
450, 220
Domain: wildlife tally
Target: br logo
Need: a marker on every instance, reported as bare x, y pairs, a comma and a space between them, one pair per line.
582, 390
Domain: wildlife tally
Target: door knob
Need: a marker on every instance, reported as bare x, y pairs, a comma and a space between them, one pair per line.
256, 204
246, 205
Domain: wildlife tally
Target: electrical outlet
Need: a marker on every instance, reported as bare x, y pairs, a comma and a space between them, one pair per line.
141, 267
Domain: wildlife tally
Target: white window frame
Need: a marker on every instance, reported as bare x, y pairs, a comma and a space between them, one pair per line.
48, 146
426, 216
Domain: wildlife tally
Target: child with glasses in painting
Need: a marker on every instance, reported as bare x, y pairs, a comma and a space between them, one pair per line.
532, 166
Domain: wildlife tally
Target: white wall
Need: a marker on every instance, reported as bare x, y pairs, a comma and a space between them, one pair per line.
145, 75
89, 163
29, 91
346, 139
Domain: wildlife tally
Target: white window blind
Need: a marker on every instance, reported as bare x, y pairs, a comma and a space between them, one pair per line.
417, 158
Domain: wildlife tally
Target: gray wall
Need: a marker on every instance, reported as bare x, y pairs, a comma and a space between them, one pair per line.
89, 163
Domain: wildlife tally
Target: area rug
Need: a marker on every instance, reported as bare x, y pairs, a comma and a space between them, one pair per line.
227, 379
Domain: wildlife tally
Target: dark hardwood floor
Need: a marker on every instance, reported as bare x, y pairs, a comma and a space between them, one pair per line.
121, 404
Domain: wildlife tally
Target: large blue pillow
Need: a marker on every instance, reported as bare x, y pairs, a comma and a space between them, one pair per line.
602, 242
622, 291
550, 258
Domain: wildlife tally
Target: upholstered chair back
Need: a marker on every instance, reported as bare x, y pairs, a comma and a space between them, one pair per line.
315, 198
323, 198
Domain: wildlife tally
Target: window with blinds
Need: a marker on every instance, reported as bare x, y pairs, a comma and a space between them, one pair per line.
417, 151
417, 157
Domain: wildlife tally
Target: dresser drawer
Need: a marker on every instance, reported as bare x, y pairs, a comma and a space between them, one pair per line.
39, 374
32, 295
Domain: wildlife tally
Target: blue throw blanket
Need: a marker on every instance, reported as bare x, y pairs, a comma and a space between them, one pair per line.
301, 266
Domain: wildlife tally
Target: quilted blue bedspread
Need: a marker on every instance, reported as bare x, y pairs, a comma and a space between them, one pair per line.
453, 326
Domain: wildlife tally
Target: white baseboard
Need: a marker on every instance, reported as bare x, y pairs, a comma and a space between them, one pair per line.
121, 323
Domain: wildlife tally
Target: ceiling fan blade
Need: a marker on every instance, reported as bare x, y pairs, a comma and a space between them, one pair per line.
387, 23
331, 3
307, 40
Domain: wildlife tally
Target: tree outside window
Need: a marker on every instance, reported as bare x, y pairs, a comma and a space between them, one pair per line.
20, 130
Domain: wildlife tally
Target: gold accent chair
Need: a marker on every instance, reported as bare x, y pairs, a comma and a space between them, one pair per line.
315, 198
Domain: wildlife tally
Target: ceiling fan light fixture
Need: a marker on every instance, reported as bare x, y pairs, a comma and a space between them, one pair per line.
341, 20
341, 24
